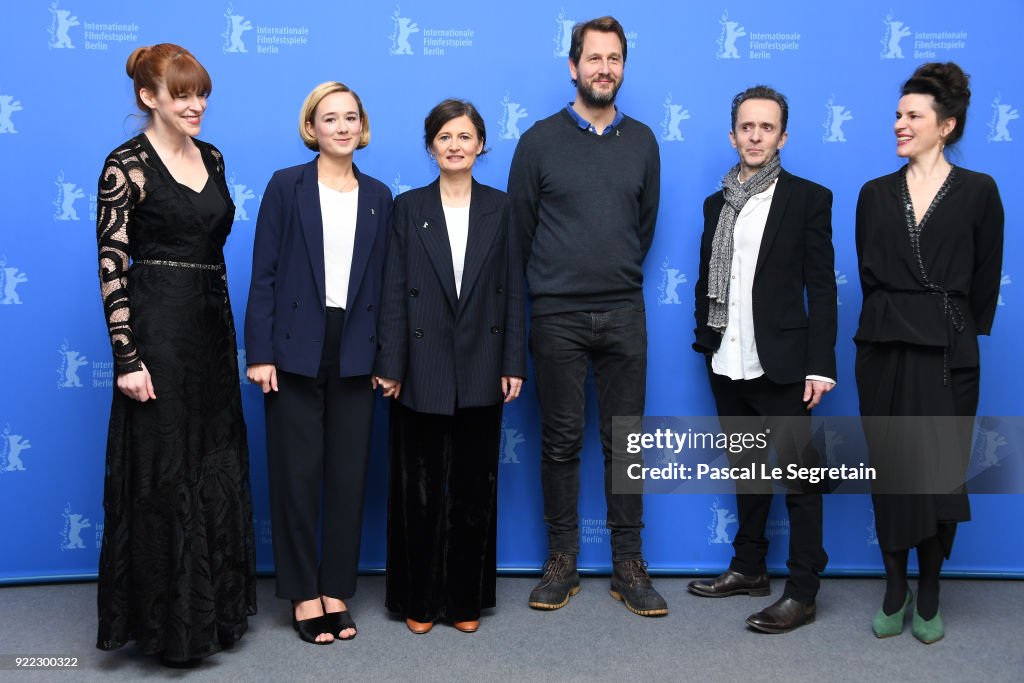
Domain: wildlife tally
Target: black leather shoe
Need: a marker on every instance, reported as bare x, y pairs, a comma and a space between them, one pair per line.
782, 616
731, 583
560, 582
632, 584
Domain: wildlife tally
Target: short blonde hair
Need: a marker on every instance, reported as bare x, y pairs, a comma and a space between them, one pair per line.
313, 100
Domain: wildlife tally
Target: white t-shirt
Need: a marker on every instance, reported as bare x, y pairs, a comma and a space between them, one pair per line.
457, 219
338, 212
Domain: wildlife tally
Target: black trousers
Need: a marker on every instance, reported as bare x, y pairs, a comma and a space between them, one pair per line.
563, 345
442, 512
318, 445
761, 397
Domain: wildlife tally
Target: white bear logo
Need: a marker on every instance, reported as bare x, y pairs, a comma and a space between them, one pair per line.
71, 361
511, 115
241, 194
8, 106
721, 518
671, 278
74, 524
1001, 116
16, 443
237, 25
397, 185
731, 31
510, 438
895, 31
404, 27
62, 21
837, 116
563, 35
67, 193
12, 277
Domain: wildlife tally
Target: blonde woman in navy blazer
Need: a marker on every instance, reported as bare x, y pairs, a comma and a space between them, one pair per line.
452, 353
310, 343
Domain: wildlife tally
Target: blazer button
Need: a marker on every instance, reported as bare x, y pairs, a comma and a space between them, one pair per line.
418, 333
414, 292
500, 290
295, 304
494, 330
369, 307
287, 335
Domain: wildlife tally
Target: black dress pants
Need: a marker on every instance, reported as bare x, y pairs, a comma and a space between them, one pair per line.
318, 444
442, 512
761, 397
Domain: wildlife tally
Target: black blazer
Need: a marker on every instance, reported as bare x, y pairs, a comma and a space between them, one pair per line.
286, 315
451, 351
795, 264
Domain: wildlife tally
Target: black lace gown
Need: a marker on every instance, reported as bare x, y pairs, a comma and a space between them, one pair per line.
177, 565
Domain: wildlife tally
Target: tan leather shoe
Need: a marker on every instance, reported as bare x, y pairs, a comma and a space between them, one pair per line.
467, 626
419, 627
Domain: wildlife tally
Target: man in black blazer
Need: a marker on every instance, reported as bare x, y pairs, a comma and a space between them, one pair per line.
765, 251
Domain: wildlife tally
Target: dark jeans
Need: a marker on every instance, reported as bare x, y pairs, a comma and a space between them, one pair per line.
807, 558
563, 345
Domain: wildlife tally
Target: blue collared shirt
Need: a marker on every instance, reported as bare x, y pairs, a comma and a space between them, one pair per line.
585, 125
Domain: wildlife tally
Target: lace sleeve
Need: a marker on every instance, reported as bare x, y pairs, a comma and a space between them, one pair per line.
115, 200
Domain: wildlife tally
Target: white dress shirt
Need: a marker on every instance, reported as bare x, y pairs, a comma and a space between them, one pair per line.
338, 213
737, 357
457, 220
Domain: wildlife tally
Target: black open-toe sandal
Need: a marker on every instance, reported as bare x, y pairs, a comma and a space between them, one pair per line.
338, 622
309, 629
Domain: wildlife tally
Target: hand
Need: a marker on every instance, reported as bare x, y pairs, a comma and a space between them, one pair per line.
137, 385
814, 389
264, 374
510, 388
391, 387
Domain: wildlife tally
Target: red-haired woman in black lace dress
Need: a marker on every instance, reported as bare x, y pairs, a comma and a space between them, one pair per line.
177, 565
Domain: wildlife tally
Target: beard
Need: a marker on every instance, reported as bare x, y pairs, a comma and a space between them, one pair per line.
593, 98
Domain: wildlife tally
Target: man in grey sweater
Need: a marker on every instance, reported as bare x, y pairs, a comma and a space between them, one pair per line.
584, 189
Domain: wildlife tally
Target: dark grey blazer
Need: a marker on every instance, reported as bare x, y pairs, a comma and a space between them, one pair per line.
794, 288
451, 351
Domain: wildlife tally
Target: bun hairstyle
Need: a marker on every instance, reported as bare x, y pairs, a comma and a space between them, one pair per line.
168, 65
949, 85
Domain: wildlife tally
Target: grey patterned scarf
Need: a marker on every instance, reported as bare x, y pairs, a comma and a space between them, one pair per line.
736, 195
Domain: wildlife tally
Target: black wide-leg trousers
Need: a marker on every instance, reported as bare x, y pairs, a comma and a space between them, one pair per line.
318, 445
442, 512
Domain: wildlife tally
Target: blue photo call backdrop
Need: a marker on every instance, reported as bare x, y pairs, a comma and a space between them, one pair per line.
65, 102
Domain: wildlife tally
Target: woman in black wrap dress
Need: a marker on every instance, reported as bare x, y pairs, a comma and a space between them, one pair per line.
929, 247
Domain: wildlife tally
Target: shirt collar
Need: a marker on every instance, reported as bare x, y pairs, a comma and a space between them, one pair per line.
585, 125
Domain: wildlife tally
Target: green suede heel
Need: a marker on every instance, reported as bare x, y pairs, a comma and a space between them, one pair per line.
889, 625
928, 631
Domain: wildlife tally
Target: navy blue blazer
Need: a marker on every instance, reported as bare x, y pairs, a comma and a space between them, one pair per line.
286, 315
451, 350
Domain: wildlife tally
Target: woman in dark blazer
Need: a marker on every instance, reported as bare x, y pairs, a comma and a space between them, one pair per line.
929, 248
310, 336
452, 352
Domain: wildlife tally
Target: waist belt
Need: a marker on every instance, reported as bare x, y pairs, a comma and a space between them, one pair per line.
179, 264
